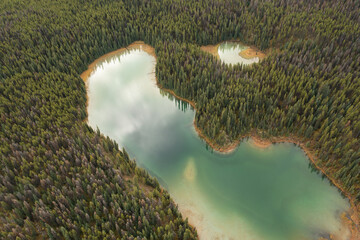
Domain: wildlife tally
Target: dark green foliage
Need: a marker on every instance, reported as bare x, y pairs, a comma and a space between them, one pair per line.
60, 179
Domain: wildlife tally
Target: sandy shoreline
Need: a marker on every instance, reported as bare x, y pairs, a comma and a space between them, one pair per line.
135, 45
212, 49
257, 141
249, 53
87, 73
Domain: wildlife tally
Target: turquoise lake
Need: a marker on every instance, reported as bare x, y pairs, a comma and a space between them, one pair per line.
252, 193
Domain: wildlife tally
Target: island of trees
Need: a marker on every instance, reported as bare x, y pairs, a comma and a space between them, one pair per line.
60, 179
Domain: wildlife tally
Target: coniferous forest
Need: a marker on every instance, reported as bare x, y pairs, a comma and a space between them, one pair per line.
61, 179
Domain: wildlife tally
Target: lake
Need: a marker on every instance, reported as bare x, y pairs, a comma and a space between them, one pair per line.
252, 193
228, 52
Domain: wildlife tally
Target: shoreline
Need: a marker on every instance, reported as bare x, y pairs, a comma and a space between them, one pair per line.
135, 45
249, 53
212, 49
258, 141
92, 66
262, 143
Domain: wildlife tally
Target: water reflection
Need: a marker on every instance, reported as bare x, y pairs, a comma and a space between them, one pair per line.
229, 53
250, 194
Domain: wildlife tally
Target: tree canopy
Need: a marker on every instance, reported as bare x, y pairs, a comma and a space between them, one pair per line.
60, 179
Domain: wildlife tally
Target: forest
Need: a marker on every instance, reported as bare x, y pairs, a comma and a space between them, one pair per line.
61, 179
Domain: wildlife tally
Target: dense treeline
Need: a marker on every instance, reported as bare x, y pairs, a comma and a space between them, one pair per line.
61, 179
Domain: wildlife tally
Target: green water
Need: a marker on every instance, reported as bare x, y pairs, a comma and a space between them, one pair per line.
229, 53
250, 194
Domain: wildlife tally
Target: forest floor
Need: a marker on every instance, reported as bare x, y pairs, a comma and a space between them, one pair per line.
352, 217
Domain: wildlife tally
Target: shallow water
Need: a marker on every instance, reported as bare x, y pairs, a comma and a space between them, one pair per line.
252, 193
229, 53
